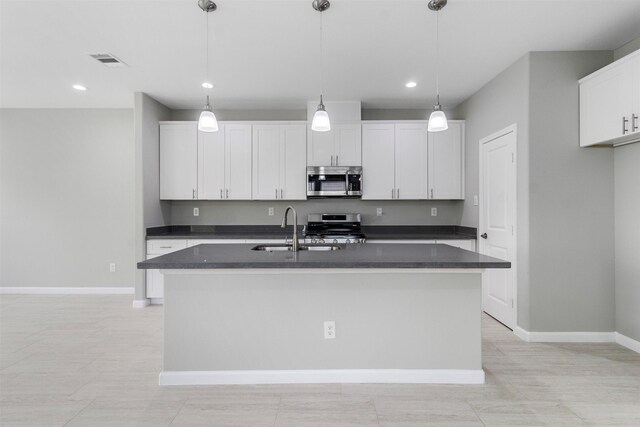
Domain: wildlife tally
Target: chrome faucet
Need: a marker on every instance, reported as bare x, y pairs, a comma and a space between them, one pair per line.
295, 247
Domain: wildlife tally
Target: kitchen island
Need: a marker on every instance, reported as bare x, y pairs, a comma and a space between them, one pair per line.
403, 313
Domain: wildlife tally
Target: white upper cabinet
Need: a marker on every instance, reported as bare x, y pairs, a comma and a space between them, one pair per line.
237, 141
411, 161
610, 103
446, 162
378, 164
178, 161
211, 165
341, 146
394, 161
279, 168
402, 161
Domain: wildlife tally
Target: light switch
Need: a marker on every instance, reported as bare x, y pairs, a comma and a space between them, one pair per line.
379, 212
270, 211
434, 211
196, 212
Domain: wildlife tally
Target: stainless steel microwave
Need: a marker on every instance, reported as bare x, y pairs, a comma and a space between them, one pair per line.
334, 181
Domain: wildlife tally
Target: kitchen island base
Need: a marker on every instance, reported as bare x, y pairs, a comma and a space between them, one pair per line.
266, 326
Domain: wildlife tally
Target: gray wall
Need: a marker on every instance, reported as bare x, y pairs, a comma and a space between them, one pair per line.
571, 202
256, 212
627, 239
626, 49
149, 210
67, 197
500, 103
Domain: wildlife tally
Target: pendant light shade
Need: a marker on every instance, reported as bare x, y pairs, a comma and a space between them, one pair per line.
321, 122
437, 120
207, 121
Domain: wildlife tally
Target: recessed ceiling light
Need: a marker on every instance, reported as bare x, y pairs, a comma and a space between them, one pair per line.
79, 87
207, 85
411, 84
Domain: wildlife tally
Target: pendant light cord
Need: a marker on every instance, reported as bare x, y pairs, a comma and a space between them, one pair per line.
437, 57
321, 57
206, 77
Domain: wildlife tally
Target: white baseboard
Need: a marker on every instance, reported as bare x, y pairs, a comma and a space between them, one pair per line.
44, 290
625, 341
156, 301
141, 303
334, 376
522, 334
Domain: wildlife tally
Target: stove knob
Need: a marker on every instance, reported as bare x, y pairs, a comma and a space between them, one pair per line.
320, 240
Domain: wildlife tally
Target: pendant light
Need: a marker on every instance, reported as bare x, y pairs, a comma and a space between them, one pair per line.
321, 122
207, 121
437, 119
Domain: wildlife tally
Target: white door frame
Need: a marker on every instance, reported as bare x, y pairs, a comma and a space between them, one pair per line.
514, 265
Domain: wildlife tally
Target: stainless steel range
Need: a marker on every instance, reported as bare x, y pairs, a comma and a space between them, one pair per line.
333, 228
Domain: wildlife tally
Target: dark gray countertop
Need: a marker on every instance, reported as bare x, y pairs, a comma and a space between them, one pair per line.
372, 232
367, 255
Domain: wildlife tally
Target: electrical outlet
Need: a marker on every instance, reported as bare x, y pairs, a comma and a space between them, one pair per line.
270, 211
434, 211
475, 200
112, 267
379, 212
196, 212
329, 330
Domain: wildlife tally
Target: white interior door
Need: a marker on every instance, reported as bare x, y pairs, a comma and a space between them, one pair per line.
497, 222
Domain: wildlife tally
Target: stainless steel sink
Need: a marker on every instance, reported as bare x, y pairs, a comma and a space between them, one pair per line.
284, 248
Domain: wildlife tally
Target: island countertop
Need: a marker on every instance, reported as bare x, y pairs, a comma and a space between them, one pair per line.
367, 255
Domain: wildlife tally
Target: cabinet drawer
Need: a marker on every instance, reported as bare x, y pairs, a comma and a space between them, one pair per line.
160, 247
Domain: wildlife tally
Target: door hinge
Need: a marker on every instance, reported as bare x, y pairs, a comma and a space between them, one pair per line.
511, 302
513, 157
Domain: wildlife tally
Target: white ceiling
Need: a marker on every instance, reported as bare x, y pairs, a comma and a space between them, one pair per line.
265, 53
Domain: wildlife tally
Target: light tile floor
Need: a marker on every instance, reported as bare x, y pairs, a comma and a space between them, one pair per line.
94, 361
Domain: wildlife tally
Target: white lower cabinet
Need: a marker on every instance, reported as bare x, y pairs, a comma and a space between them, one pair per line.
156, 248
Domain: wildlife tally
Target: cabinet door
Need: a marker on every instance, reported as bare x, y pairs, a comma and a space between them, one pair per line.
348, 144
237, 144
446, 163
604, 101
320, 148
154, 281
411, 161
378, 161
266, 162
293, 170
178, 161
211, 164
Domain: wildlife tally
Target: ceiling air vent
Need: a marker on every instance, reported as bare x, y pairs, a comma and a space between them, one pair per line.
108, 60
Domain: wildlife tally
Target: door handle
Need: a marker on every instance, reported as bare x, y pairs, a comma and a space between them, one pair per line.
227, 193
432, 193
276, 193
281, 193
336, 160
483, 235
221, 194
397, 193
634, 122
331, 160
392, 193
193, 193
624, 125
